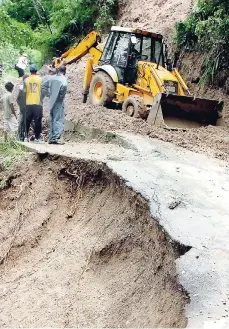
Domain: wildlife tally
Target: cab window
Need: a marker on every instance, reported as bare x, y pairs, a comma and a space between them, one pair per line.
146, 48
120, 55
137, 46
158, 51
109, 47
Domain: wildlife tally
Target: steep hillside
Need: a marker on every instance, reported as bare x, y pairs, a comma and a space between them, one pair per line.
191, 67
155, 15
160, 16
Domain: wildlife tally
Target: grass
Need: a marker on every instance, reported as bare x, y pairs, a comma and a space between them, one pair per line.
9, 153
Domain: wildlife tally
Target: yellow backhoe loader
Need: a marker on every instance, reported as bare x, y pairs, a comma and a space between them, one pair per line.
133, 70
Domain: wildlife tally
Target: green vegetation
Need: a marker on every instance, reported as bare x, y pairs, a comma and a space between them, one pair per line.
72, 19
207, 30
42, 27
9, 152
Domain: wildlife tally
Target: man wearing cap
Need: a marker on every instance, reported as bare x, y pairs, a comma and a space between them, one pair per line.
21, 65
32, 89
55, 88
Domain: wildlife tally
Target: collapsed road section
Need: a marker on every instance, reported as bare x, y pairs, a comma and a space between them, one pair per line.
84, 251
100, 248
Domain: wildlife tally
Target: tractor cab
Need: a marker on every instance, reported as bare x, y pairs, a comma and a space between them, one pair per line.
125, 47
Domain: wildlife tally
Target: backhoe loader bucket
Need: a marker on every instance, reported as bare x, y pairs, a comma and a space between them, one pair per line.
176, 111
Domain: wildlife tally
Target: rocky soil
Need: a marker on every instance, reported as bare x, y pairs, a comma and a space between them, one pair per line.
158, 16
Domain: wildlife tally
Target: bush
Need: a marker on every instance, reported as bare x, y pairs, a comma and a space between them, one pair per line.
15, 38
34, 56
106, 16
207, 30
26, 28
45, 42
9, 152
75, 18
24, 11
9, 56
14, 32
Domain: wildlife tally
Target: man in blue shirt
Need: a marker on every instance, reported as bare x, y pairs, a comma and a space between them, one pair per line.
55, 88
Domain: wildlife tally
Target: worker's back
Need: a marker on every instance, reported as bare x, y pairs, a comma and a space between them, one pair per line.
58, 89
33, 89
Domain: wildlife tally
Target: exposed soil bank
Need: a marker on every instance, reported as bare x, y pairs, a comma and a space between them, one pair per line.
80, 249
158, 16
191, 65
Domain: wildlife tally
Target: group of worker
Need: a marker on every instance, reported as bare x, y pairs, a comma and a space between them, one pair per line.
30, 99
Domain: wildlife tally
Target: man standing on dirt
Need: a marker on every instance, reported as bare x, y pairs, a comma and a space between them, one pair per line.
22, 106
55, 88
21, 65
10, 117
32, 89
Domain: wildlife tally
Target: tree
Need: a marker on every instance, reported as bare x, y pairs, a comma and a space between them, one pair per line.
208, 25
34, 12
41, 13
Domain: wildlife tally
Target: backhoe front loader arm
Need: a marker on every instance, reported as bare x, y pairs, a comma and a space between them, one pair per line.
88, 45
180, 80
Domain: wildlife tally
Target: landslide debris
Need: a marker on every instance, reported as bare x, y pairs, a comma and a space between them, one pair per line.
79, 248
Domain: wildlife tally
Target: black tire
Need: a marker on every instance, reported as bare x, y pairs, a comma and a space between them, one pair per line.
107, 89
85, 98
134, 107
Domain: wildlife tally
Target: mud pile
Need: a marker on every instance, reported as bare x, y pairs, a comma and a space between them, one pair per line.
78, 248
158, 16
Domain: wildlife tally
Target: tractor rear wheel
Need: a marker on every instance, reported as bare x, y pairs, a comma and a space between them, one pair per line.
102, 89
134, 107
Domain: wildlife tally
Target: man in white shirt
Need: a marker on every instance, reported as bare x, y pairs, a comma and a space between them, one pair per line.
10, 117
21, 65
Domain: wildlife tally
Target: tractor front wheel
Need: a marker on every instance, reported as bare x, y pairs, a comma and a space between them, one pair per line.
102, 89
134, 107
